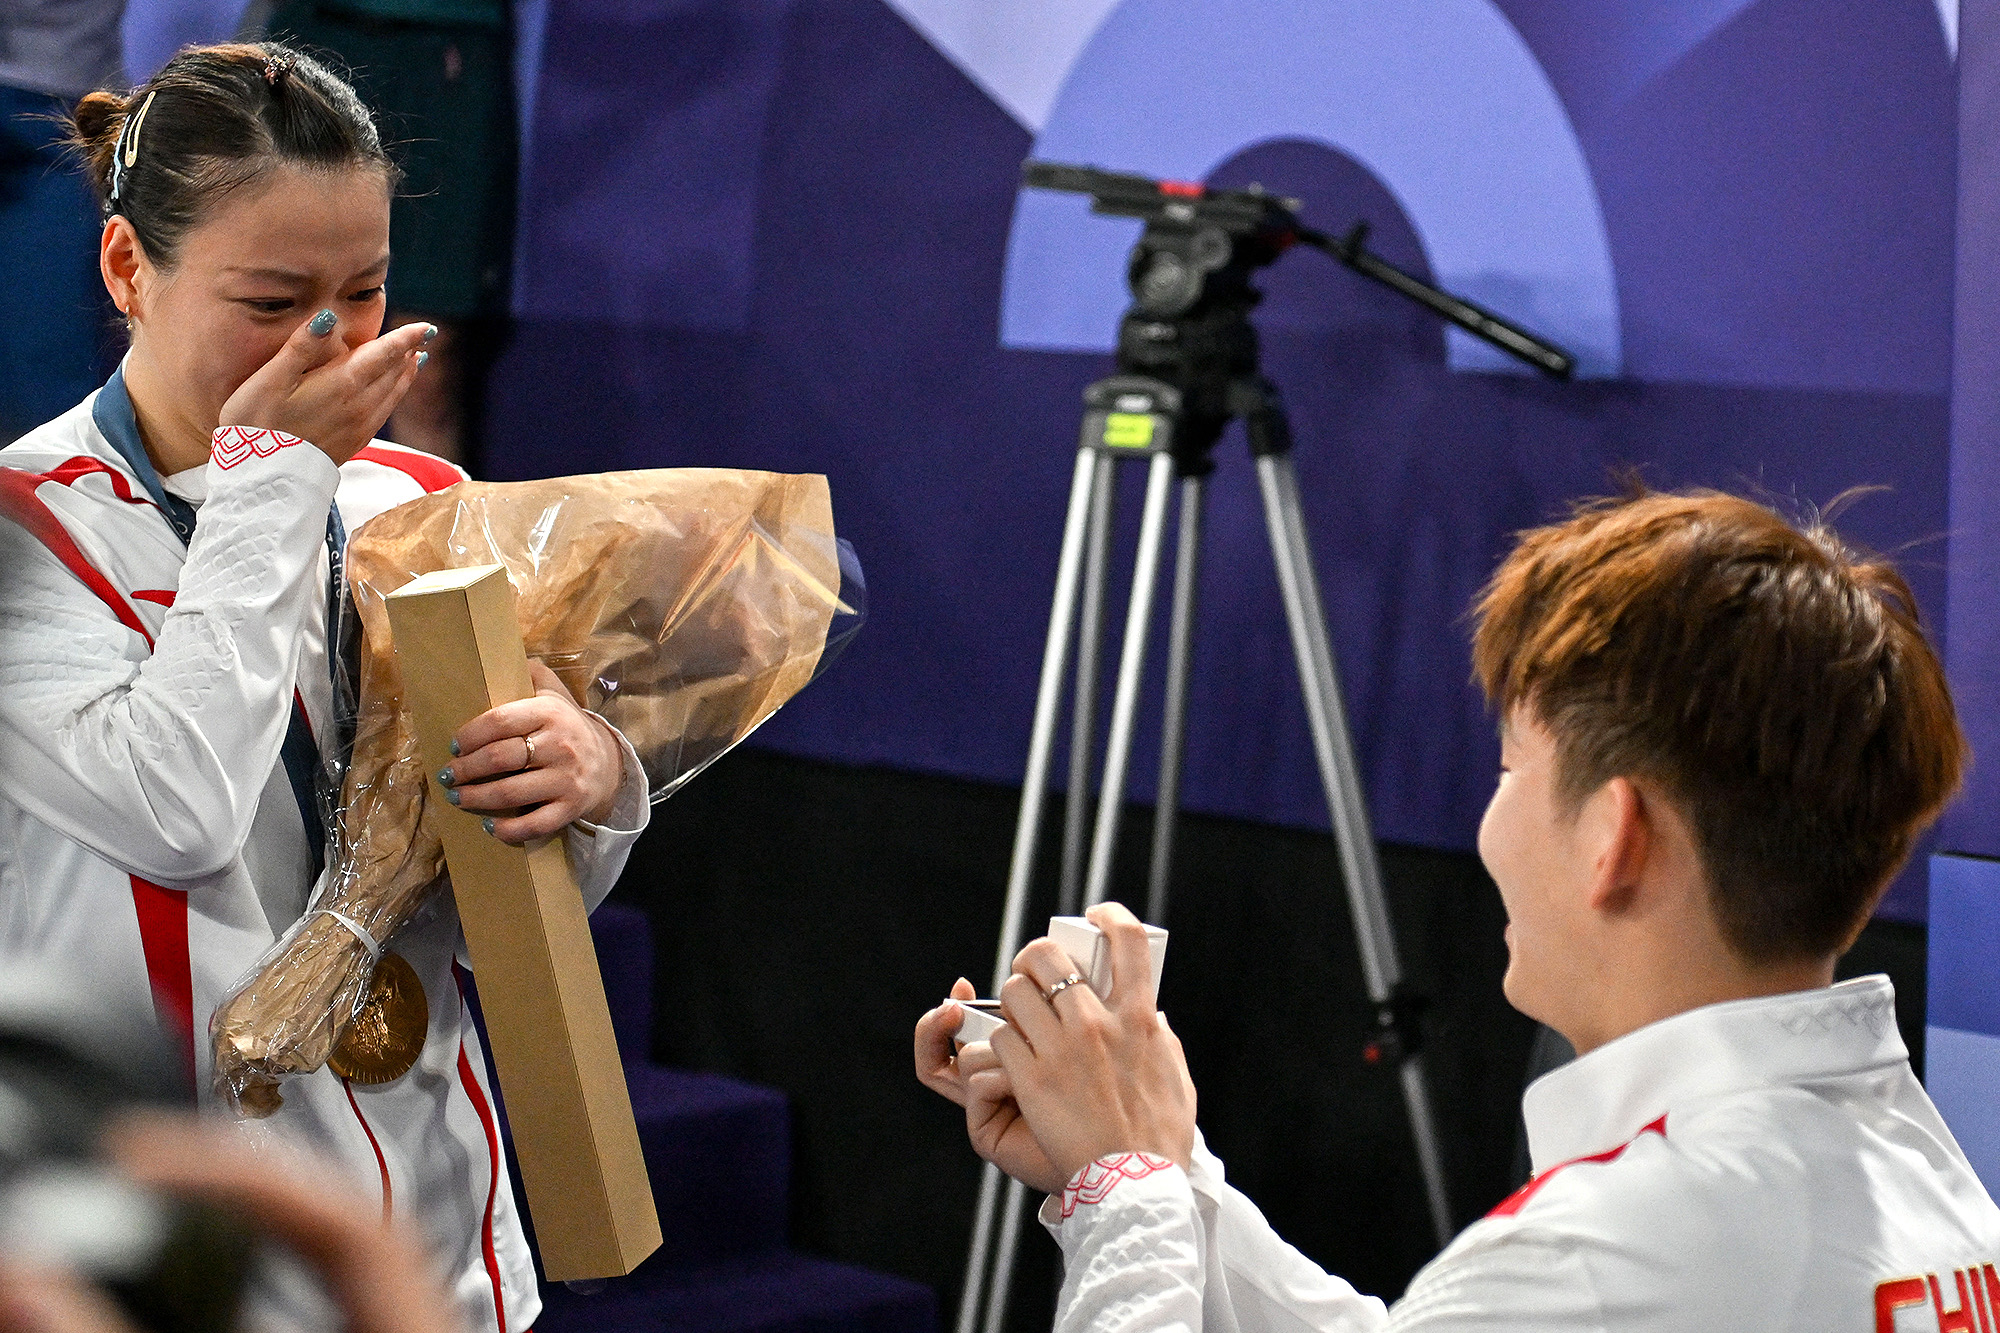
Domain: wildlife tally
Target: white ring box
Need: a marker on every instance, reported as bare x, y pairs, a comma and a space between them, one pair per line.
1087, 950
978, 1024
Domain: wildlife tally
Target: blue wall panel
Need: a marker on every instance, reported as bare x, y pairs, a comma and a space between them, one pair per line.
1962, 1072
1962, 1044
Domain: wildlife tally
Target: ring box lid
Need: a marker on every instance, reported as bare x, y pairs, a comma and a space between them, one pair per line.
1084, 943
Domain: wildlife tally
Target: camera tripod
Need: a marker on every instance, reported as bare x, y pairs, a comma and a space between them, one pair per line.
1187, 357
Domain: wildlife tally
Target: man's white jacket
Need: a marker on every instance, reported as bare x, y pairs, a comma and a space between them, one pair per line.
1766, 1164
150, 840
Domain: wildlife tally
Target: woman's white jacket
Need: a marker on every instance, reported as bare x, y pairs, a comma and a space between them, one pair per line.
150, 841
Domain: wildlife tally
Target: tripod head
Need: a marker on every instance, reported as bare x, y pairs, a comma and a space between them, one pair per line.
1190, 272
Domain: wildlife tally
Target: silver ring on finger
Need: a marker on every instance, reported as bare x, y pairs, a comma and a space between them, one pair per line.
1073, 979
529, 762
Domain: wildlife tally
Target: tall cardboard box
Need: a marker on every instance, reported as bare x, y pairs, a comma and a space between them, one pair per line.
459, 648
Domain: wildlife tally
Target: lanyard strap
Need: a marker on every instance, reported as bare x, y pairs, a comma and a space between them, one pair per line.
115, 419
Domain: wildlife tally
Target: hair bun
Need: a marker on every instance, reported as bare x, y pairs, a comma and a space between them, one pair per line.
98, 119
95, 114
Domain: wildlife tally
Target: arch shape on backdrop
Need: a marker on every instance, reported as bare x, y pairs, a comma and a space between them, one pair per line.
1440, 99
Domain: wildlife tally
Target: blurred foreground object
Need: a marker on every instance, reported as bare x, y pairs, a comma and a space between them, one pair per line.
685, 606
67, 1070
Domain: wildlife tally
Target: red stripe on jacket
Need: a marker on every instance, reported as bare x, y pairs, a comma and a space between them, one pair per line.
68, 471
1518, 1200
161, 913
381, 1162
478, 1099
163, 936
427, 470
19, 502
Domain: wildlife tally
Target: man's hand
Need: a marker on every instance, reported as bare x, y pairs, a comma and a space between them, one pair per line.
544, 757
330, 397
972, 1078
1091, 1079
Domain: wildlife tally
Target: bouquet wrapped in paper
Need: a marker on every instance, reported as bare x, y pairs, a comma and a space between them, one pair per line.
682, 605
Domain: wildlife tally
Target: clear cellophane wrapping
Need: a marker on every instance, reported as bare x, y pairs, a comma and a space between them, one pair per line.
683, 605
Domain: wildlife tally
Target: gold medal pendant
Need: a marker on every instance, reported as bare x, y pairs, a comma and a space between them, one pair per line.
385, 1038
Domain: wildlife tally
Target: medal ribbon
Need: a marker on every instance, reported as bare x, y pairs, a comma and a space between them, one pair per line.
113, 416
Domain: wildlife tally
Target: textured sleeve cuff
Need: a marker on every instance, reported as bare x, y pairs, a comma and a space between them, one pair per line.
1093, 1185
1131, 1238
232, 446
239, 454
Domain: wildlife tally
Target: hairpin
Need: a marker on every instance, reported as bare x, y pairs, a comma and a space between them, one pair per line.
276, 67
125, 153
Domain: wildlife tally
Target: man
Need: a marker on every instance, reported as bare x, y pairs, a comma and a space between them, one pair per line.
1719, 736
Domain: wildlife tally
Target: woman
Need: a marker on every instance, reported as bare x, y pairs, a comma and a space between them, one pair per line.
163, 623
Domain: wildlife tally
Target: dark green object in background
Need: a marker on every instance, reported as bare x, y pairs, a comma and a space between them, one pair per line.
439, 75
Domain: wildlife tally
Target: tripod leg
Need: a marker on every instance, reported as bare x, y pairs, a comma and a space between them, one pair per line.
1027, 831
1334, 749
1048, 700
982, 1246
1131, 666
1003, 1264
1089, 653
1173, 730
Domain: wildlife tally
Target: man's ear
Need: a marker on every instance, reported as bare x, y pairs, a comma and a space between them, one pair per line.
120, 257
1616, 826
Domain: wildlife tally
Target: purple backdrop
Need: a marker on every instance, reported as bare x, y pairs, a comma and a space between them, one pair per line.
1962, 1044
772, 233
1973, 827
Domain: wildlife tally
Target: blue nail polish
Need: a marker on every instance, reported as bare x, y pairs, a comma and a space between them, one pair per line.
322, 324
430, 332
444, 777
421, 358
454, 749
452, 796
487, 824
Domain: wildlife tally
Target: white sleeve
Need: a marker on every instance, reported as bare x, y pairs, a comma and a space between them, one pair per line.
1147, 1246
597, 852
155, 761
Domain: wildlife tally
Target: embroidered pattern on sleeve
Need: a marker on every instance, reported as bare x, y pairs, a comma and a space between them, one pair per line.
1097, 1180
233, 444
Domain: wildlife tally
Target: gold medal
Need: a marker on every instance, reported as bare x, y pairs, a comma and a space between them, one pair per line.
385, 1038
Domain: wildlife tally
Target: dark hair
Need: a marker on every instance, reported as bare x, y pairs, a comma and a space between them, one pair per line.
214, 119
1775, 683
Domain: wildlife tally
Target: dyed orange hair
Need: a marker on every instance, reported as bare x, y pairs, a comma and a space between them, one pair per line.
1775, 683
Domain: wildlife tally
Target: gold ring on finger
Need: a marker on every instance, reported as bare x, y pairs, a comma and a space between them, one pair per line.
1073, 979
529, 762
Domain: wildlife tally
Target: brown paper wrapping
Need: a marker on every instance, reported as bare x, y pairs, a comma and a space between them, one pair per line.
683, 605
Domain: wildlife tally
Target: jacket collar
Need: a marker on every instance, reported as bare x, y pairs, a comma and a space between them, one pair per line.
113, 416
1607, 1097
